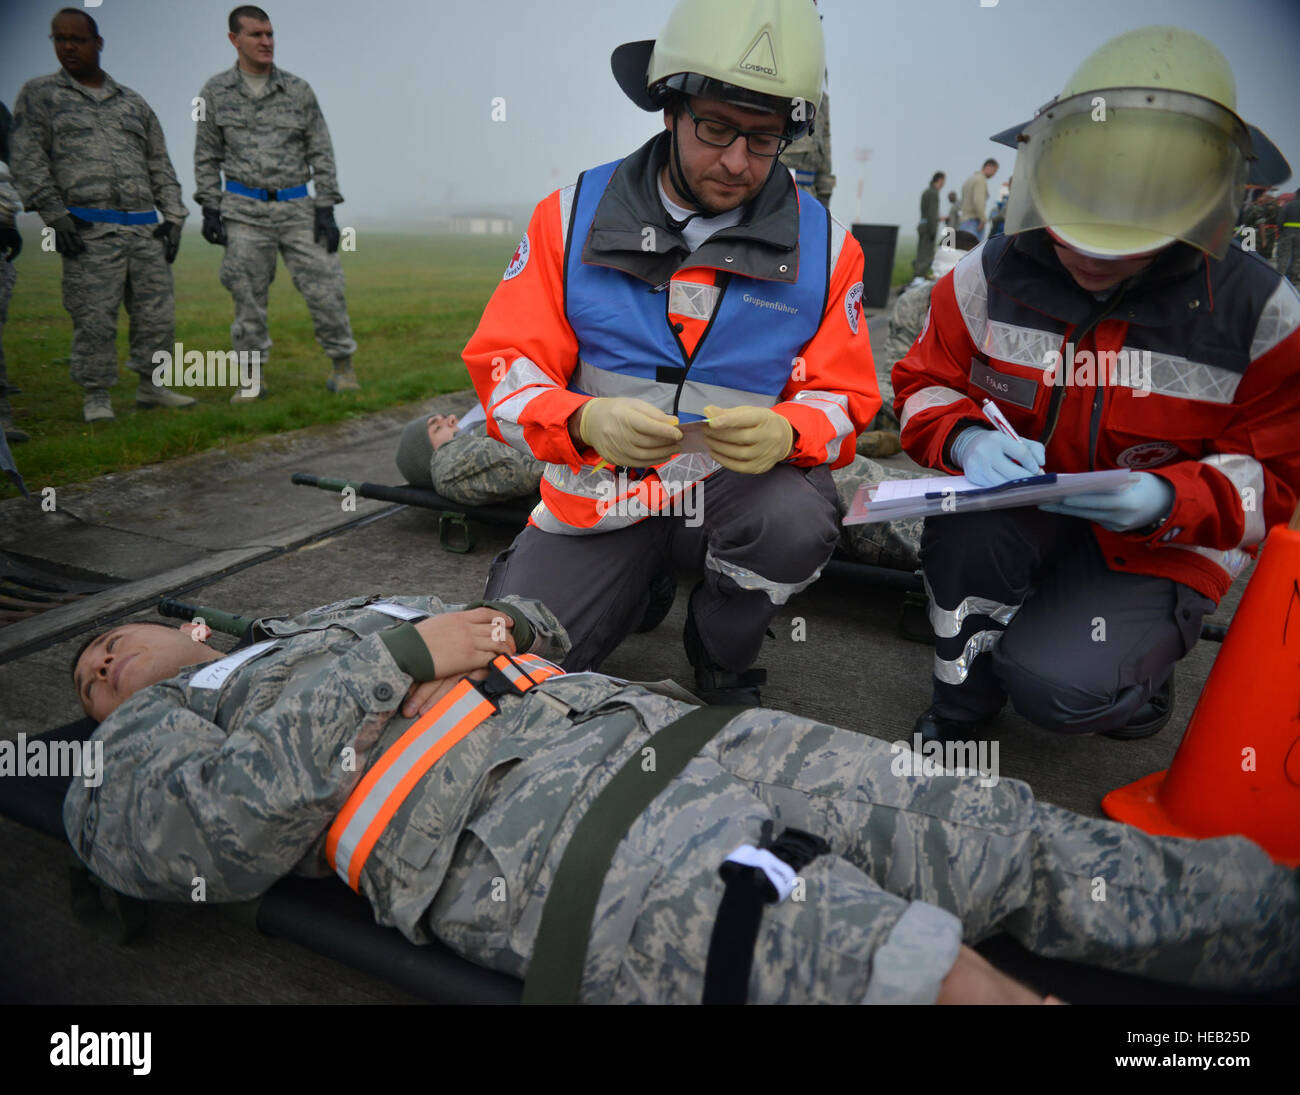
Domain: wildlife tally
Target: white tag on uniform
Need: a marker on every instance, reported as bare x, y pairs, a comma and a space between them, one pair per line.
778, 872
400, 612
214, 674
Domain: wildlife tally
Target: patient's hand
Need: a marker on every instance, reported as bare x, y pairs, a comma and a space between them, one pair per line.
461, 641
424, 695
972, 980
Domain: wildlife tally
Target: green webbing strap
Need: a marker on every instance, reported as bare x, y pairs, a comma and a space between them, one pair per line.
555, 972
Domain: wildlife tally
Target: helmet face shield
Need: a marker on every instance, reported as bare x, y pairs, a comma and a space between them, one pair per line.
1122, 171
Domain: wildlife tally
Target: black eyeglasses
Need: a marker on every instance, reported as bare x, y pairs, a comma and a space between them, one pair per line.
720, 135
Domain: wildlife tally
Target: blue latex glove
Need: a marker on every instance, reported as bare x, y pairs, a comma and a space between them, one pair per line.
989, 457
1142, 502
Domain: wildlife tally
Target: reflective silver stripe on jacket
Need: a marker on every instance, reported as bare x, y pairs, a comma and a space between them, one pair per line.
694, 398
839, 236
676, 475
1247, 475
523, 382
835, 406
566, 211
777, 592
947, 623
972, 291
383, 789
936, 396
958, 669
1184, 379
1278, 320
686, 298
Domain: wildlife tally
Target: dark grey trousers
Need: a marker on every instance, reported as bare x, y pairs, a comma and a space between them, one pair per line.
1023, 605
761, 539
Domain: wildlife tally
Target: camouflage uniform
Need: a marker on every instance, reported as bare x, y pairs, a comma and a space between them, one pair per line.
810, 155
238, 784
74, 147
895, 544
905, 323
1288, 242
472, 468
276, 141
9, 207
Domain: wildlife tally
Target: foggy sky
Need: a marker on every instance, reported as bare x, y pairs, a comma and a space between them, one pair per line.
407, 86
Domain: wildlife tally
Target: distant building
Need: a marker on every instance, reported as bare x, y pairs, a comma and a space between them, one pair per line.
481, 224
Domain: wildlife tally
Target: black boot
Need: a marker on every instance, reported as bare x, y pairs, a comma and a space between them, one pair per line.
715, 685
1148, 719
934, 727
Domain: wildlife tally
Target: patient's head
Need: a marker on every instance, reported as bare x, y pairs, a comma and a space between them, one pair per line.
115, 664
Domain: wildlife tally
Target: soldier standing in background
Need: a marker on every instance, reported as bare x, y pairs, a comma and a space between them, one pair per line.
925, 231
89, 156
810, 157
1288, 241
263, 128
975, 199
10, 244
954, 211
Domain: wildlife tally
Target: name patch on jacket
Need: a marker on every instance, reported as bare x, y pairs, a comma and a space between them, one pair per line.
214, 674
1019, 390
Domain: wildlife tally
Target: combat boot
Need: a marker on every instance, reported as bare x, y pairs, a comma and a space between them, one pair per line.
344, 379
931, 726
713, 684
98, 405
1148, 719
879, 443
148, 394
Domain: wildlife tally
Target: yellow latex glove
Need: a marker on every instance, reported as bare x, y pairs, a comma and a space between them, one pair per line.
748, 439
630, 432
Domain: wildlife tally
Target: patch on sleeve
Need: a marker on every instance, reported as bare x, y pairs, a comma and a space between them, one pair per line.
518, 260
853, 306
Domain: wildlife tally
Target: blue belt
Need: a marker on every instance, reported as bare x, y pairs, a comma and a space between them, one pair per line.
266, 194
114, 216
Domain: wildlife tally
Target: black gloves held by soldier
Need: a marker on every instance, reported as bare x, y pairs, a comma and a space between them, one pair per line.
214, 231
67, 240
170, 234
325, 227
10, 242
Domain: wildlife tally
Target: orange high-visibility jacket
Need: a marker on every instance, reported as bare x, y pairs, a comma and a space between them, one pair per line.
1191, 372
525, 356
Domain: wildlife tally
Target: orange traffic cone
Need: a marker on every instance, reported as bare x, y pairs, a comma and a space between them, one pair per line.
1237, 770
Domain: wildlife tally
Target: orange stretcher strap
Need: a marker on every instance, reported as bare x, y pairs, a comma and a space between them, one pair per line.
384, 788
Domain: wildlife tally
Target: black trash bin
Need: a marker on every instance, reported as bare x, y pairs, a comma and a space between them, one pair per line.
879, 241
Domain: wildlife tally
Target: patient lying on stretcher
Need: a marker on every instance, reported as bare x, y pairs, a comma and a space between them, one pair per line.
242, 768
455, 457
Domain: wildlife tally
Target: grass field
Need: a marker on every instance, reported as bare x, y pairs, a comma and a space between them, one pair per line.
414, 301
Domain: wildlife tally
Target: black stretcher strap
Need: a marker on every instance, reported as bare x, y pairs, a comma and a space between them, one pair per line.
735, 931
560, 952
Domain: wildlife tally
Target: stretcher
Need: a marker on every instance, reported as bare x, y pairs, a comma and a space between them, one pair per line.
330, 919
